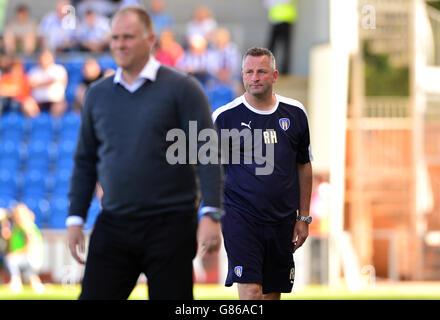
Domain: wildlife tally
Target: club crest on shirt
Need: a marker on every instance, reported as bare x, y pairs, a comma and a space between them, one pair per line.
238, 270
284, 123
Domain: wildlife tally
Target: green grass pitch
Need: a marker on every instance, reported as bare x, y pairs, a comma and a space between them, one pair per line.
218, 292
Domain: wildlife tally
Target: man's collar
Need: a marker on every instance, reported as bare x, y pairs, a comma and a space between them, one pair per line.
149, 71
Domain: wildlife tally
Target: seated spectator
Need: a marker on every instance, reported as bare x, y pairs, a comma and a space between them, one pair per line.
168, 51
94, 32
202, 23
91, 71
57, 28
197, 60
14, 87
25, 250
161, 19
226, 53
104, 7
227, 57
48, 85
20, 34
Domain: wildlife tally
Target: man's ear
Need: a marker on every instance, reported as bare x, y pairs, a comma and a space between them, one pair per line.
275, 75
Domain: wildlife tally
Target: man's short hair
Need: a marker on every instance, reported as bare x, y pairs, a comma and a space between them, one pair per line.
143, 16
258, 52
22, 8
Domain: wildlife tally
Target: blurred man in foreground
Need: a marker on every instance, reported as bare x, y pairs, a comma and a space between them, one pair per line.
149, 219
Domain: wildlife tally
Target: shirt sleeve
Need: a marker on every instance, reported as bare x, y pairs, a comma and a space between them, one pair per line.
84, 175
194, 107
304, 154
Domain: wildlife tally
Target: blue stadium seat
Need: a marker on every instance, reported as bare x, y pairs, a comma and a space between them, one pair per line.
11, 126
33, 183
70, 93
61, 182
66, 150
65, 163
8, 186
58, 212
9, 155
38, 154
70, 124
7, 202
41, 127
10, 164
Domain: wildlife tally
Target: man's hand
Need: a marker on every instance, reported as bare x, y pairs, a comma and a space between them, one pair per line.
300, 234
208, 236
75, 241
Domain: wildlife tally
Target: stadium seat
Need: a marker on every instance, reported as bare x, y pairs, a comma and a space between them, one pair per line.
37, 154
41, 127
33, 183
9, 155
65, 163
58, 212
66, 150
9, 164
7, 202
11, 126
8, 186
61, 182
70, 124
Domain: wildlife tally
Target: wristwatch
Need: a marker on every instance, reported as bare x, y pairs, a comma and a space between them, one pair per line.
307, 219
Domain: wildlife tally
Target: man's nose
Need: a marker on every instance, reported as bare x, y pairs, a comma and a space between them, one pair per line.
255, 77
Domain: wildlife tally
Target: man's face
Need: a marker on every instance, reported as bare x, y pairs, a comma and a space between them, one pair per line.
46, 59
130, 42
258, 76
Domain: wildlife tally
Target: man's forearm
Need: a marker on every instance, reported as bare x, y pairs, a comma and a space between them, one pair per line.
305, 178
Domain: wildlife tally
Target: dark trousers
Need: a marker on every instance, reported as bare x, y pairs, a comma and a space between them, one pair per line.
280, 38
161, 246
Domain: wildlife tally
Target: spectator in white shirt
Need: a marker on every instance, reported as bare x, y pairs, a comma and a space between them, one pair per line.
48, 85
202, 23
197, 60
226, 54
93, 33
57, 28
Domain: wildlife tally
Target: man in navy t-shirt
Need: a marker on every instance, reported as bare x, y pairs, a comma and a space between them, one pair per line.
266, 151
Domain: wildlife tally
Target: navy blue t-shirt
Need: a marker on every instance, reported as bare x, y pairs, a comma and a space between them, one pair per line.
265, 198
